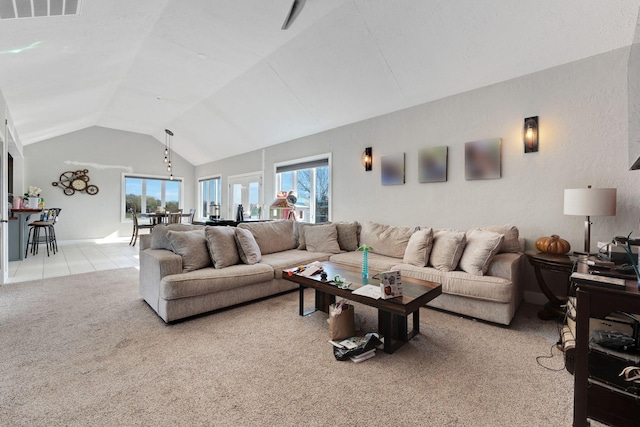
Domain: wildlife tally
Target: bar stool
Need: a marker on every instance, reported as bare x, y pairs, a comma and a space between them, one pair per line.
49, 233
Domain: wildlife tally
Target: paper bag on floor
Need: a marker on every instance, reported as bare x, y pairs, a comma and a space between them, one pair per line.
341, 324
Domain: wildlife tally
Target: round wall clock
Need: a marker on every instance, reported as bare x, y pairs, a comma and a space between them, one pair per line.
72, 181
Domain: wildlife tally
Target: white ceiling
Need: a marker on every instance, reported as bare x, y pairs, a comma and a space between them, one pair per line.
225, 78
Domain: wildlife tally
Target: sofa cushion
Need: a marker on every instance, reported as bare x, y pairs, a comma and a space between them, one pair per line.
385, 239
301, 237
322, 238
487, 288
376, 261
511, 241
479, 251
419, 248
222, 246
210, 280
272, 236
348, 235
292, 258
448, 246
248, 248
191, 246
159, 238
429, 274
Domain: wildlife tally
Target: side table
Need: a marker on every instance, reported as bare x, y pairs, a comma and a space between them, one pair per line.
559, 264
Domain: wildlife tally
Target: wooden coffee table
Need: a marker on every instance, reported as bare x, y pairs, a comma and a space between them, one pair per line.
392, 313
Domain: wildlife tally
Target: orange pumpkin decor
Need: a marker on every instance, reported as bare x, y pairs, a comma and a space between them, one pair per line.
553, 245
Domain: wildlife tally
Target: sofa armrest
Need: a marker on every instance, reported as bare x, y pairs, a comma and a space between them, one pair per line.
507, 266
144, 241
154, 265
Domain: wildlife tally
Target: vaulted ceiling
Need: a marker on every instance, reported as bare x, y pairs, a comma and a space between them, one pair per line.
224, 77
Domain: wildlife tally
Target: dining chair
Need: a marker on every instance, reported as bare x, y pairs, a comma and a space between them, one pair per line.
137, 227
174, 217
192, 214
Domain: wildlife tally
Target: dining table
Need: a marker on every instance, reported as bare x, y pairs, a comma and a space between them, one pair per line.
161, 217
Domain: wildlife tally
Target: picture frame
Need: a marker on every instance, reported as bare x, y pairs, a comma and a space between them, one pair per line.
482, 159
392, 167
432, 164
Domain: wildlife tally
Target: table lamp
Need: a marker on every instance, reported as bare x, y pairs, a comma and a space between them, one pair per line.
589, 202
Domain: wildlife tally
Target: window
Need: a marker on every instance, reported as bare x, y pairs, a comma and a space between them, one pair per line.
210, 189
310, 179
145, 194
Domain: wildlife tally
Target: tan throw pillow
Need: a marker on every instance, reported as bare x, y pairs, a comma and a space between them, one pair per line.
222, 246
191, 246
322, 238
386, 239
247, 247
419, 248
159, 239
481, 247
299, 231
448, 246
511, 235
348, 235
272, 236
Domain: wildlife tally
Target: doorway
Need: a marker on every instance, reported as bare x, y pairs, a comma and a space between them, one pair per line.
246, 190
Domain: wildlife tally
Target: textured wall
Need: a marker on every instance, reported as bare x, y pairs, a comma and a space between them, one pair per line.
583, 141
106, 153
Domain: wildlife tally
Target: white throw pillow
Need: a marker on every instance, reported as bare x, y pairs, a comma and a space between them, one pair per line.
448, 246
385, 239
481, 247
419, 248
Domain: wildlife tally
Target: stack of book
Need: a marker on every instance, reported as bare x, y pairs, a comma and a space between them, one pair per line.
363, 356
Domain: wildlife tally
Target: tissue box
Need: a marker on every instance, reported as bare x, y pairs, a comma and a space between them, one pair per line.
390, 284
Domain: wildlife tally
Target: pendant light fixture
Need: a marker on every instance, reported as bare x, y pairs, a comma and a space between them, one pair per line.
168, 153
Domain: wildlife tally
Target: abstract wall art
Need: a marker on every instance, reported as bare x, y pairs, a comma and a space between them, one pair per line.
392, 169
432, 164
482, 159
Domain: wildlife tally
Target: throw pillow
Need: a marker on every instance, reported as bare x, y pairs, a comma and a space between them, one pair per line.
222, 246
481, 247
247, 247
419, 248
511, 235
272, 236
348, 235
191, 246
159, 238
322, 238
385, 239
448, 246
301, 238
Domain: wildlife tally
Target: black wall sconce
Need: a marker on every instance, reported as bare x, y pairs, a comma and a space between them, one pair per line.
530, 134
367, 159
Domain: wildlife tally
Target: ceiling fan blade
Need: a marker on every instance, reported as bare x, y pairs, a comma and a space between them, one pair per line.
296, 7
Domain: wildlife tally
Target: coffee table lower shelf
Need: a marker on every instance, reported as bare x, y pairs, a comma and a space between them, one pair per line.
392, 313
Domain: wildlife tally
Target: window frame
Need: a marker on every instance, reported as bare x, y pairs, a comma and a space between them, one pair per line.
312, 197
201, 195
144, 177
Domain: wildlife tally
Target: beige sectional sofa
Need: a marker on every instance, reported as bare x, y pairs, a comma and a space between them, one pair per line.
187, 270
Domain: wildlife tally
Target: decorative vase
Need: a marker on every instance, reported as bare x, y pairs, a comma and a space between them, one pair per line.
365, 264
33, 202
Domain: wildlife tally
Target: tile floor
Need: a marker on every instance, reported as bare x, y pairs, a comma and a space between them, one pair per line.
74, 258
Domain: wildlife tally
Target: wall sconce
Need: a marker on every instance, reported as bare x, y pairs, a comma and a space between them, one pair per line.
367, 159
530, 134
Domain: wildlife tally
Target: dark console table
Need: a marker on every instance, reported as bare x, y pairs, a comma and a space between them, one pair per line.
594, 397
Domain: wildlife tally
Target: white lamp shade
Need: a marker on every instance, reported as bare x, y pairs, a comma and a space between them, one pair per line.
590, 201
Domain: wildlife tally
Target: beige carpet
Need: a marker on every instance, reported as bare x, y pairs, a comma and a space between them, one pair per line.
85, 350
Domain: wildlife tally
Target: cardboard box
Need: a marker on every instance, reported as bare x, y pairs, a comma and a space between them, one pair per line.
390, 284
